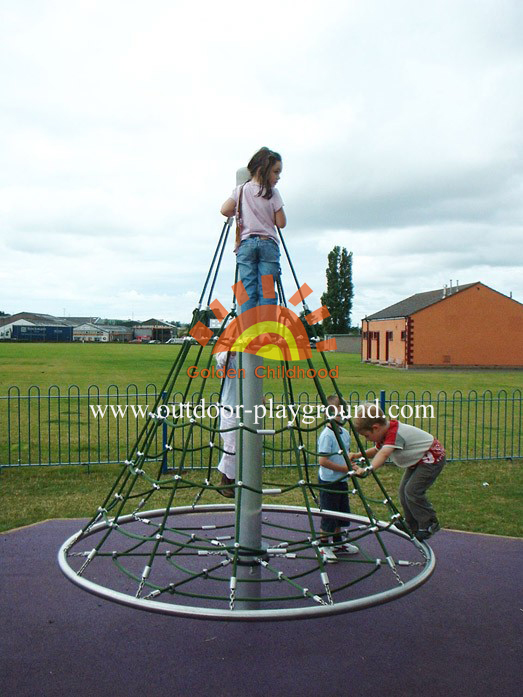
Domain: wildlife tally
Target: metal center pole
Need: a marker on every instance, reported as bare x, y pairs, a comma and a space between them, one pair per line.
250, 514
249, 519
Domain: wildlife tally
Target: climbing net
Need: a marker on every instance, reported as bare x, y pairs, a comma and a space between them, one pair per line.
185, 555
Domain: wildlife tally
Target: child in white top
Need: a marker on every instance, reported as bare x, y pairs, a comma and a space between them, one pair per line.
258, 253
227, 464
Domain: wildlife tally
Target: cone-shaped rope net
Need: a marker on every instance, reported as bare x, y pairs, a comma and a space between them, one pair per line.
160, 541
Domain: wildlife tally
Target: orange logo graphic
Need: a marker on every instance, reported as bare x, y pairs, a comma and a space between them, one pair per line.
270, 331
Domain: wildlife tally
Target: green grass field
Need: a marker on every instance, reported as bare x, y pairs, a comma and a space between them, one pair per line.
121, 364
33, 494
30, 495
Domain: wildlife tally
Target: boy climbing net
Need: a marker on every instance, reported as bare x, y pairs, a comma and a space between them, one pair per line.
418, 453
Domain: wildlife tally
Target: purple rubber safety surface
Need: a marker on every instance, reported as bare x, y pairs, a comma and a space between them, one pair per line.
459, 634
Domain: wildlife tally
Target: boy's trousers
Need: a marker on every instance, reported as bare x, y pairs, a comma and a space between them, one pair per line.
413, 486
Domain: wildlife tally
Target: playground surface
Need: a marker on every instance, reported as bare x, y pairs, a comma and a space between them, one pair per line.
459, 634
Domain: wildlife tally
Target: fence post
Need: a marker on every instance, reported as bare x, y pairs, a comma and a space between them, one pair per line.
382, 401
164, 438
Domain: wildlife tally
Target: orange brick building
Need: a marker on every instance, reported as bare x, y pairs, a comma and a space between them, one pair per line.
469, 325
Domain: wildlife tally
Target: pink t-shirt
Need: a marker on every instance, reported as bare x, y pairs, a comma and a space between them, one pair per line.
257, 212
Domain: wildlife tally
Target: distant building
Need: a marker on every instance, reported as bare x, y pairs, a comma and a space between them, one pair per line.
154, 330
32, 326
470, 325
101, 333
77, 321
346, 343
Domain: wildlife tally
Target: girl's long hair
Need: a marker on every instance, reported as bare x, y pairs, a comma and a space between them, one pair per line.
261, 164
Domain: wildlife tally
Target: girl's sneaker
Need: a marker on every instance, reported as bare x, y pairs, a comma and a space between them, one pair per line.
327, 555
347, 548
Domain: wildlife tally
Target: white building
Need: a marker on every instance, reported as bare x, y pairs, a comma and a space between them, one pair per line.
101, 333
6, 330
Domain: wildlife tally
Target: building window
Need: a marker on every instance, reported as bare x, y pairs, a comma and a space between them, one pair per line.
404, 335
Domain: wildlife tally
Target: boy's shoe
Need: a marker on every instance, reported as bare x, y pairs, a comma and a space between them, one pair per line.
327, 555
226, 482
425, 533
434, 527
403, 525
346, 548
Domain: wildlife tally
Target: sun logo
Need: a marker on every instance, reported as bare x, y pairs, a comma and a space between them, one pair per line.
270, 331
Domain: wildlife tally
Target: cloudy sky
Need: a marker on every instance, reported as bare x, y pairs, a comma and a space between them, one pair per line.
122, 124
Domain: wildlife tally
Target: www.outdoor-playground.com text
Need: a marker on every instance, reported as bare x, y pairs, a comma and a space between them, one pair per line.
309, 413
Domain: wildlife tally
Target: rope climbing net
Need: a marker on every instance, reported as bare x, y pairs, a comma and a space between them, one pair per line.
145, 549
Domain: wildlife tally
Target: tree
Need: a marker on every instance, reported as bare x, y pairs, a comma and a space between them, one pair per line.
340, 291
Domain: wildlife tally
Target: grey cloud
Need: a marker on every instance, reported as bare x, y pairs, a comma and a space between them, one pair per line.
399, 124
468, 195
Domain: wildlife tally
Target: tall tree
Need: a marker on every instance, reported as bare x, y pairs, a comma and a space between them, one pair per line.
340, 291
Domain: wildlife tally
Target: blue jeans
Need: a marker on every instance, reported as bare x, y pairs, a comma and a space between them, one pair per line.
257, 258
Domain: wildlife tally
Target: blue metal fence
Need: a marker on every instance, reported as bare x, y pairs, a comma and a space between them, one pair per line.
60, 426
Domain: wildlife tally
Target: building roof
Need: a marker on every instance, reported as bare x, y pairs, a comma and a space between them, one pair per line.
109, 328
417, 302
35, 318
76, 321
154, 324
114, 329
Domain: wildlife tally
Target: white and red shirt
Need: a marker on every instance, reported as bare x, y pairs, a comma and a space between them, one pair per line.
412, 446
258, 212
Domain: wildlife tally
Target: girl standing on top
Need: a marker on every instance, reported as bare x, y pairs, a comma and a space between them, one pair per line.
259, 209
